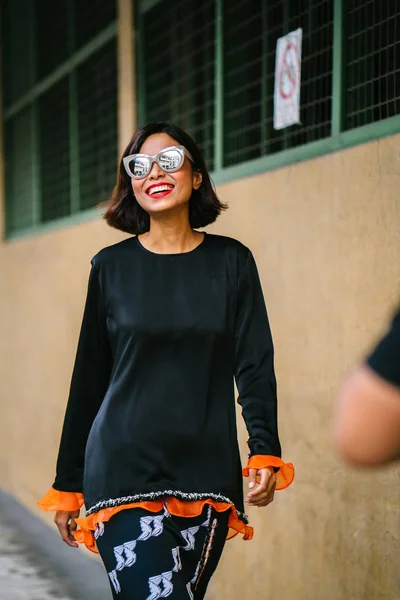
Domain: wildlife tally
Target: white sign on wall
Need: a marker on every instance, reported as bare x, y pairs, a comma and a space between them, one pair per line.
287, 80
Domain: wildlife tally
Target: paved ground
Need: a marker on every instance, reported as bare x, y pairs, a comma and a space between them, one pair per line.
22, 575
36, 565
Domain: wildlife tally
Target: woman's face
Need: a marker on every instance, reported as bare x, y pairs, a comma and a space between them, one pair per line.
177, 187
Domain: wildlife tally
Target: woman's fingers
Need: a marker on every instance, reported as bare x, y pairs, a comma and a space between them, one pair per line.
252, 478
72, 526
65, 522
252, 483
266, 499
264, 478
263, 494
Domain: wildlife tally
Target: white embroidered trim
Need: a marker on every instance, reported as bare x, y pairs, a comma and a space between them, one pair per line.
205, 555
190, 496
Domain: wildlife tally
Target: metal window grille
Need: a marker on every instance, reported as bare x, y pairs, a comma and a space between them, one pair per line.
178, 59
52, 35
91, 17
54, 152
17, 65
97, 125
372, 71
251, 30
60, 118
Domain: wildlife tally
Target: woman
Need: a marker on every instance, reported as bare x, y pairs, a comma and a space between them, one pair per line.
149, 440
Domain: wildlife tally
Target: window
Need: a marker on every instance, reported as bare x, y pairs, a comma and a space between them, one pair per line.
210, 67
50, 35
373, 65
54, 152
91, 17
16, 49
97, 125
251, 29
178, 62
60, 108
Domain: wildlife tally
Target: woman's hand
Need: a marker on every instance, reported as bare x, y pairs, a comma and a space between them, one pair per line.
65, 521
262, 484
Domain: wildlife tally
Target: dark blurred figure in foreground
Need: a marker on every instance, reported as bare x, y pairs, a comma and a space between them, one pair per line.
367, 421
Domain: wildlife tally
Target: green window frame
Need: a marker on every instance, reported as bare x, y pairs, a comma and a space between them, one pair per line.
59, 111
342, 104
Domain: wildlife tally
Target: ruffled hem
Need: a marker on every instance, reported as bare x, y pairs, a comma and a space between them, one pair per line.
88, 525
161, 495
56, 500
285, 475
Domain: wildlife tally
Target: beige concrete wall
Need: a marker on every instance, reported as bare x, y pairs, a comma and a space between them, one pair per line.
325, 236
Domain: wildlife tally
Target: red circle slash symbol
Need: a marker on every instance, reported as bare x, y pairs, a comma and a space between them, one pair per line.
289, 71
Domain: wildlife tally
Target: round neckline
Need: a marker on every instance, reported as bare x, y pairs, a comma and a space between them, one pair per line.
139, 243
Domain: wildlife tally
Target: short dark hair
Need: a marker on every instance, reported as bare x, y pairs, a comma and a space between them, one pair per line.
123, 210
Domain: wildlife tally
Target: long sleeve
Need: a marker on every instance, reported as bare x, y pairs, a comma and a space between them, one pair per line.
254, 363
385, 358
89, 383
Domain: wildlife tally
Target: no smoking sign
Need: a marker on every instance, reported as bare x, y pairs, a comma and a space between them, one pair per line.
287, 80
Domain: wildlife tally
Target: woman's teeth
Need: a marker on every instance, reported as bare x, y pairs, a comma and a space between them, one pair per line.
160, 188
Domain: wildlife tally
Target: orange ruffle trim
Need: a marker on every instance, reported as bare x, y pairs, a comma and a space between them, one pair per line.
55, 500
284, 476
70, 501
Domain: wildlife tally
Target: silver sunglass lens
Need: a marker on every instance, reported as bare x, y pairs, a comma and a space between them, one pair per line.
140, 166
171, 160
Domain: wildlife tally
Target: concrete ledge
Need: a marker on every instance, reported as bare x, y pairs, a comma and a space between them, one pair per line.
82, 576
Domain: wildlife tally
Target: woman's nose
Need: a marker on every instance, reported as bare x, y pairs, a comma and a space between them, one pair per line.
156, 171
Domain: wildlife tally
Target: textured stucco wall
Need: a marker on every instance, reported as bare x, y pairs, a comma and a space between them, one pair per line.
325, 235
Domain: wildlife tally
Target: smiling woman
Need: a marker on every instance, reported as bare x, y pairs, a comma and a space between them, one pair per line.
149, 441
148, 159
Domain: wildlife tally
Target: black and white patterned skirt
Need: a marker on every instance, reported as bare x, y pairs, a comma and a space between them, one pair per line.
158, 555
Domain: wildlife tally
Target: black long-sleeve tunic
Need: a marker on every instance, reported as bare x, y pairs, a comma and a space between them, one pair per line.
151, 410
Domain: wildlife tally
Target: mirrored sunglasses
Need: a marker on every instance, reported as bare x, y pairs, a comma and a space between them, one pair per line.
169, 160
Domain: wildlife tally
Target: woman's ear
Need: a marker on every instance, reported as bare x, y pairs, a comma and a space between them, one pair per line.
197, 179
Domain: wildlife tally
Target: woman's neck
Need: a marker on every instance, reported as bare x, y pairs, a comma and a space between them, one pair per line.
170, 237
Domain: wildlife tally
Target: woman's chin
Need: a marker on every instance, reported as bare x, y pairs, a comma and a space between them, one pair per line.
163, 206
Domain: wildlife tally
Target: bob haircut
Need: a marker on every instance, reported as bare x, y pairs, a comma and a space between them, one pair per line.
123, 210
